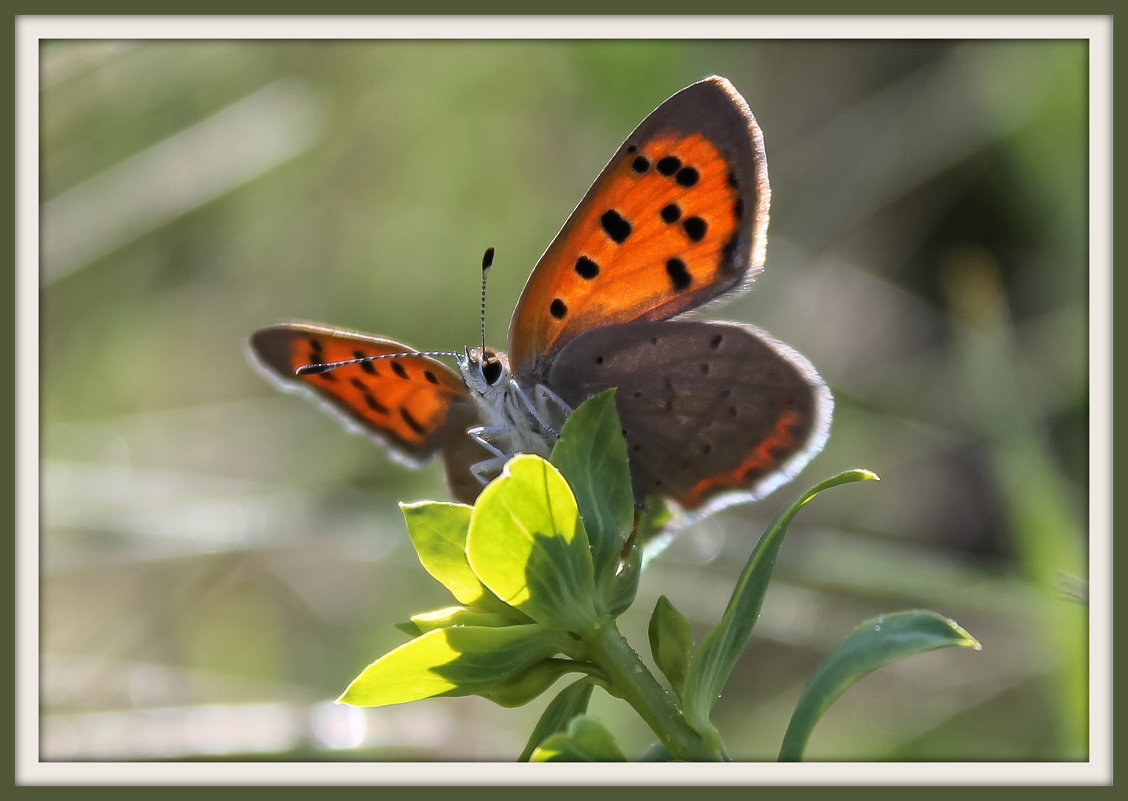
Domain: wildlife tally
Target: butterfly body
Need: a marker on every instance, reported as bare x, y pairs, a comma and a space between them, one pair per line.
515, 418
713, 413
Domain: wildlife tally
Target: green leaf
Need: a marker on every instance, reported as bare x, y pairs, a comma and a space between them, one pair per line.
524, 687
712, 663
409, 628
528, 545
592, 455
671, 642
656, 753
875, 643
570, 702
455, 661
621, 594
438, 532
586, 740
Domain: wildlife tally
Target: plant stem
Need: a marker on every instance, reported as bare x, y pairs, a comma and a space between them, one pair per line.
630, 680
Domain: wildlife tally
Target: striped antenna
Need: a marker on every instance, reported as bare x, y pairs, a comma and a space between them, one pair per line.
325, 367
487, 262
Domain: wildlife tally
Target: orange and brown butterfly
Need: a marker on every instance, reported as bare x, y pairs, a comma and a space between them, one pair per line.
713, 412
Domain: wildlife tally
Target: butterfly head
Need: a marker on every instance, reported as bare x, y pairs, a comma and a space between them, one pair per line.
485, 370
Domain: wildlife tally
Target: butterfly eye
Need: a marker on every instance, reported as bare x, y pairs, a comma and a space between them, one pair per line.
491, 370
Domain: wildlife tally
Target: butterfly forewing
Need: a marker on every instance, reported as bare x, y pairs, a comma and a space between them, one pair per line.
707, 408
677, 217
405, 401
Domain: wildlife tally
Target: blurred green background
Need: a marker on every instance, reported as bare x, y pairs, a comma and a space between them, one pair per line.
219, 559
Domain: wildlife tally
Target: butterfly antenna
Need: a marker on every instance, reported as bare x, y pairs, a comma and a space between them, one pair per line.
487, 262
324, 367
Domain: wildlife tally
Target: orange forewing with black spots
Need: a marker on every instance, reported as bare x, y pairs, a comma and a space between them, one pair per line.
405, 400
677, 217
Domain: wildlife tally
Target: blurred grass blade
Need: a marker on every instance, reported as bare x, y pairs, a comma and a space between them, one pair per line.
1045, 525
190, 168
875, 643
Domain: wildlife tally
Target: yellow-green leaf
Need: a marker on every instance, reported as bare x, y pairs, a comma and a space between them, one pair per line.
457, 616
438, 533
528, 545
452, 661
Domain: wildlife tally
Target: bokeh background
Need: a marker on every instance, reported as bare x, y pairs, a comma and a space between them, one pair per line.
219, 560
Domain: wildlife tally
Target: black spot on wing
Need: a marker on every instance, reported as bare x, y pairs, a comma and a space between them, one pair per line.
586, 268
687, 176
679, 275
617, 227
668, 165
695, 228
368, 366
412, 423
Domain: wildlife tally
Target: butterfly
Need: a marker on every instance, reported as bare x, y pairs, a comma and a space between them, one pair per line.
713, 413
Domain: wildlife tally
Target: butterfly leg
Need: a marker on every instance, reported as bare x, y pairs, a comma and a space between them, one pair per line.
547, 399
524, 427
488, 469
539, 409
483, 436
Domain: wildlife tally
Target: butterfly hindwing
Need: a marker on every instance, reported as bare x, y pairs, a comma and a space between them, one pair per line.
707, 408
404, 401
677, 217
461, 452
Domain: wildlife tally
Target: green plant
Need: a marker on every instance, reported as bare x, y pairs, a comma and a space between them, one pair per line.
542, 565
